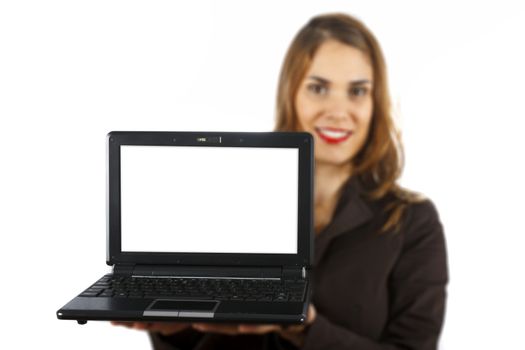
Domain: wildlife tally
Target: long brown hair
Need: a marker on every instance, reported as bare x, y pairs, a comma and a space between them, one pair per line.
379, 164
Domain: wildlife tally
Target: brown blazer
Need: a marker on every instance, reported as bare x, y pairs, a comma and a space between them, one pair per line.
372, 290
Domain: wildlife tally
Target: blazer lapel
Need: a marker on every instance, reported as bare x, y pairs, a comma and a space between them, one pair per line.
351, 212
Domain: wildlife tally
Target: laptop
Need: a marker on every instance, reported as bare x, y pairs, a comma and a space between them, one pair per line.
205, 227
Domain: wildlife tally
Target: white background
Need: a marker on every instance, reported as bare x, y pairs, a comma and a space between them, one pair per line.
70, 71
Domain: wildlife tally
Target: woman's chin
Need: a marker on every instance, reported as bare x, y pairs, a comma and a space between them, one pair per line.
332, 160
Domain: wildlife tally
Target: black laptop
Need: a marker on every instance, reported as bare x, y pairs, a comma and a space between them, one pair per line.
205, 227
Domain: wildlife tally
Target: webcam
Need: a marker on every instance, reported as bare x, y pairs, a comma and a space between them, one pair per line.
213, 139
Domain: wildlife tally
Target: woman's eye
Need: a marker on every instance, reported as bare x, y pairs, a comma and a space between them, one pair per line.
317, 89
358, 91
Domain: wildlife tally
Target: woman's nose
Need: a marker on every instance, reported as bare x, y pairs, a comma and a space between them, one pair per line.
338, 106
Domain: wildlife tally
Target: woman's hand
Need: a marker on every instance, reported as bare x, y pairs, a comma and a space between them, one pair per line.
235, 329
164, 328
294, 333
167, 328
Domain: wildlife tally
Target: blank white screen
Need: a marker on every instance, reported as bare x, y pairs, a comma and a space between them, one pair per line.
209, 199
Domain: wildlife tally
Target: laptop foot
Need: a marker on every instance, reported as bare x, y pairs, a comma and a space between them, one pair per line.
81, 321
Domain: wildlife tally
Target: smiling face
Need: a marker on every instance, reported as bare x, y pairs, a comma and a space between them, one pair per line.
334, 102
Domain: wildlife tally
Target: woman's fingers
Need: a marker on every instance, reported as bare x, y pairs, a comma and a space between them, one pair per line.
165, 328
258, 329
230, 329
233, 329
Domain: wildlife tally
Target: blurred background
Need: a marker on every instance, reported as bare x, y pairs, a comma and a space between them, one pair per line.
71, 71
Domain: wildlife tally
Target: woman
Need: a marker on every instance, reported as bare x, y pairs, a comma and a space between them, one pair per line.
380, 263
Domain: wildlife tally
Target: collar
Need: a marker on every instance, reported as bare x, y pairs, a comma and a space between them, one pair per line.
351, 212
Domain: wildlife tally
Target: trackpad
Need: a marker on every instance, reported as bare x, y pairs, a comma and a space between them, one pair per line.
182, 308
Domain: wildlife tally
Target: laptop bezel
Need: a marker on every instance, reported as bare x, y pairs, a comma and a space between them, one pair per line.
302, 141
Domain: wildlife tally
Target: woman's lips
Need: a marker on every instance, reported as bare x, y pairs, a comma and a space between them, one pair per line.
333, 135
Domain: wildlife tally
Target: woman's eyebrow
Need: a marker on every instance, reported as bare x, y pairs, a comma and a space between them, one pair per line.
319, 79
352, 82
360, 82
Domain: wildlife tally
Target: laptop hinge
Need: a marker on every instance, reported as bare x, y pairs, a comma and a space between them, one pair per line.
123, 269
206, 271
293, 273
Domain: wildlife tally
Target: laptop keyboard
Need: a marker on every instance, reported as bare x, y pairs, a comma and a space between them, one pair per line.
197, 288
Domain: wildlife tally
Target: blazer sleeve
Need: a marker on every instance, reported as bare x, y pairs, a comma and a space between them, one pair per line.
416, 289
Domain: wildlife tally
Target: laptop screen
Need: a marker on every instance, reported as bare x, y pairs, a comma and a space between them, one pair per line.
190, 199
